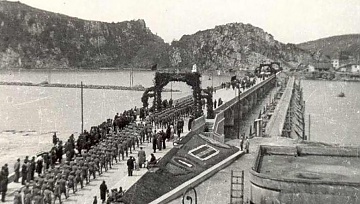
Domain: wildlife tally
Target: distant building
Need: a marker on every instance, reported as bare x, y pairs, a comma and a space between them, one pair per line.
310, 68
194, 68
335, 63
320, 66
353, 68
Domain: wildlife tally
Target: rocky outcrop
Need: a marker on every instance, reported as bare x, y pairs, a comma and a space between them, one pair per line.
32, 38
233, 45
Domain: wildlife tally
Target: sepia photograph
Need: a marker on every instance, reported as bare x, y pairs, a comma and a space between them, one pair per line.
180, 101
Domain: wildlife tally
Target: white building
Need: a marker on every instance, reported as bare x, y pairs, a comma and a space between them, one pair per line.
311, 68
335, 63
355, 68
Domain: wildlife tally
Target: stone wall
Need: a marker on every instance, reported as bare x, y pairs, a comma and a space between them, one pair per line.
266, 189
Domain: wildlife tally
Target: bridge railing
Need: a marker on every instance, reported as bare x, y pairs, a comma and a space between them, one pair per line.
219, 112
276, 123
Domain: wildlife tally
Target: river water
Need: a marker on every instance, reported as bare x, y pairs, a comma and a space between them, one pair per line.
44, 109
333, 119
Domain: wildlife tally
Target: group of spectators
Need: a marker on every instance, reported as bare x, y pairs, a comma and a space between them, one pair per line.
86, 158
93, 153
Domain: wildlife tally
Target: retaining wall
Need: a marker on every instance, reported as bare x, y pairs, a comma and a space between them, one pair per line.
268, 189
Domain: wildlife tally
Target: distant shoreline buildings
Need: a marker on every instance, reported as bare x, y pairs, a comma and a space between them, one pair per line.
339, 63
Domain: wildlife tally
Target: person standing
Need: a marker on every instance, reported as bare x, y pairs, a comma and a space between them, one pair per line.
57, 193
130, 164
17, 171
24, 173
190, 123
62, 184
247, 145
121, 150
159, 141
54, 140
154, 142
47, 195
103, 189
163, 137
3, 184
141, 157
32, 167
39, 166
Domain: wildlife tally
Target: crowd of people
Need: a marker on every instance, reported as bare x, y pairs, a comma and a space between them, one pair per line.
69, 166
92, 154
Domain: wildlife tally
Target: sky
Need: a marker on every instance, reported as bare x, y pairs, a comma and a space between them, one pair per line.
289, 21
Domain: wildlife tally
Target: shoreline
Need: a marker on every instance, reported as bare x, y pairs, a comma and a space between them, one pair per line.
85, 86
327, 76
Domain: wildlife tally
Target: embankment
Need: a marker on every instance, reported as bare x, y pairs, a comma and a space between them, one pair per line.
85, 86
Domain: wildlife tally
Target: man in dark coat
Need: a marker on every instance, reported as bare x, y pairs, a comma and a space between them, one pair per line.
190, 122
24, 173
3, 184
54, 139
32, 167
39, 166
154, 142
163, 137
103, 189
17, 171
130, 164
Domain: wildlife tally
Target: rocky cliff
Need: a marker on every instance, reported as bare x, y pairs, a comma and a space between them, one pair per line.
233, 45
33, 38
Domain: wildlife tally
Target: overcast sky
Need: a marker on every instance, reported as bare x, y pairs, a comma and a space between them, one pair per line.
289, 21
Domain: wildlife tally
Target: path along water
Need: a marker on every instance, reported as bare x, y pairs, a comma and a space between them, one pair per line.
29, 115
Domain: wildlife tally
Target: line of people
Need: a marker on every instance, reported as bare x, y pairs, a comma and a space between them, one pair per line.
92, 154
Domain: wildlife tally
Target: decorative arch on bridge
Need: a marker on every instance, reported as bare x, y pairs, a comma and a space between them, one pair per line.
162, 79
148, 93
207, 94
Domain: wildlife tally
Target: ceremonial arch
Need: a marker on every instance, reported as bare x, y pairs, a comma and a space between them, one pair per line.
190, 78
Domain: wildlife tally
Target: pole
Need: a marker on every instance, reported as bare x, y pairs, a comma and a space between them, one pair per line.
132, 76
309, 127
212, 81
82, 108
239, 110
171, 90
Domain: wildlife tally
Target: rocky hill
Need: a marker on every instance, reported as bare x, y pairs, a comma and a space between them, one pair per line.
33, 38
233, 45
344, 45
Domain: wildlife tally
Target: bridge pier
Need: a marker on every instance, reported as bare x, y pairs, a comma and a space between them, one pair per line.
238, 109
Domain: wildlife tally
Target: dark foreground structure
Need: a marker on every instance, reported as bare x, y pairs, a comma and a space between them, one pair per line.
305, 174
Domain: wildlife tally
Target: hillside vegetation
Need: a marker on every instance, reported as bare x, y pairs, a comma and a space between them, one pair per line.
333, 47
33, 38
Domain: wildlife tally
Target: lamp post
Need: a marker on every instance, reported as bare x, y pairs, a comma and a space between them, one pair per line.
82, 108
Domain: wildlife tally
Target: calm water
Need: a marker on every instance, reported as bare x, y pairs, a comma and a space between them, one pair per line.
44, 109
41, 109
333, 119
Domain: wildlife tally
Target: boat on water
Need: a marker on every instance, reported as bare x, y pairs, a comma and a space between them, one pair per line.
341, 94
